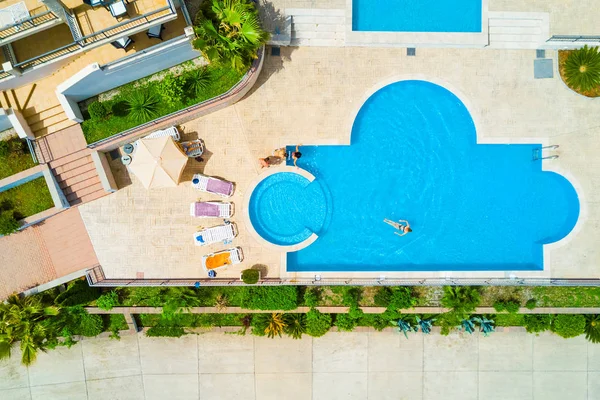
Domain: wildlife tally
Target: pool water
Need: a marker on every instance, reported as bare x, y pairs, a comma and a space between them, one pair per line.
417, 15
414, 156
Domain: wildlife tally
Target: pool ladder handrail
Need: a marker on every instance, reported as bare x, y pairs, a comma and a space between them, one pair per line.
538, 154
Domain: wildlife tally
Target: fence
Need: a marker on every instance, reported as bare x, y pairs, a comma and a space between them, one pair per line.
567, 38
29, 23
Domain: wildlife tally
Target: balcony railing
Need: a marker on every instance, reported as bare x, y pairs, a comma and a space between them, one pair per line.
569, 38
29, 23
108, 33
4, 74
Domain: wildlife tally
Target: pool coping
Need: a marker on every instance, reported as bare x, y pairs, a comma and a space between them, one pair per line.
246, 211
418, 39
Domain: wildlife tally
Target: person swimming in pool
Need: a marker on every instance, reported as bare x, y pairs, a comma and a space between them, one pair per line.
296, 155
402, 225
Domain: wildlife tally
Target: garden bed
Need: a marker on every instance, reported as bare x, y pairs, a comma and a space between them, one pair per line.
14, 157
155, 96
27, 199
562, 59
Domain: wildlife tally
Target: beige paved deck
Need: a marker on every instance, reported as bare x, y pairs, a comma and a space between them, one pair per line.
311, 97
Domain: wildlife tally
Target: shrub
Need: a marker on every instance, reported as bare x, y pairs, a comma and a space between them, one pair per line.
568, 326
295, 325
98, 110
90, 324
171, 89
269, 324
142, 106
512, 306
449, 321
351, 296
535, 323
78, 293
380, 322
582, 68
345, 322
250, 276
402, 298
531, 304
592, 328
119, 108
383, 297
8, 222
462, 299
269, 298
108, 300
196, 81
312, 296
317, 323
169, 331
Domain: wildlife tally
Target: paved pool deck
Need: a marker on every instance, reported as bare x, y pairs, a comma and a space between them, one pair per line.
311, 95
358, 365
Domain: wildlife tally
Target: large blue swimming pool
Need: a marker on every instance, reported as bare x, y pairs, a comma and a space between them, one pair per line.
414, 156
416, 15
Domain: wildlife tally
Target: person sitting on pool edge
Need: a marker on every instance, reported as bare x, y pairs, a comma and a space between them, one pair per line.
281, 153
296, 155
402, 225
268, 161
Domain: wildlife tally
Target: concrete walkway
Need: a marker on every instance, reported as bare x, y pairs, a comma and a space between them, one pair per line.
378, 365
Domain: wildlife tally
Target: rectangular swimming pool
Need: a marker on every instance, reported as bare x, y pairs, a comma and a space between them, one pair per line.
417, 15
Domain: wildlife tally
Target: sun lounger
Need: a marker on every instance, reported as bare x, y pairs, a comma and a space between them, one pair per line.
193, 148
208, 209
222, 259
215, 234
212, 185
171, 131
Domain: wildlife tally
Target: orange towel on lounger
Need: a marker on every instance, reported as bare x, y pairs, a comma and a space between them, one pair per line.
217, 261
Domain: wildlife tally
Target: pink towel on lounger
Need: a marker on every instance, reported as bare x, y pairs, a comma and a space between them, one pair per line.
221, 187
206, 210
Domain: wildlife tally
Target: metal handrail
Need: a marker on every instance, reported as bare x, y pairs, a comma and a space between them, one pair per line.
84, 41
28, 23
4, 74
31, 150
570, 38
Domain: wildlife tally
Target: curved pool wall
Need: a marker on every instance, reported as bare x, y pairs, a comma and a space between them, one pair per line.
414, 156
287, 208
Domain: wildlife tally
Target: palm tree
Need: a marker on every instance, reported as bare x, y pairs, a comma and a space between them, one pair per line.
229, 32
582, 68
25, 320
592, 328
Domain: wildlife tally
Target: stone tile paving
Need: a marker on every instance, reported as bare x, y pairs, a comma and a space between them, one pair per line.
311, 96
360, 365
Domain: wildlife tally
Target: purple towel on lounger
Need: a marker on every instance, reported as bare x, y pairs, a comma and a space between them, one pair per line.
220, 187
207, 210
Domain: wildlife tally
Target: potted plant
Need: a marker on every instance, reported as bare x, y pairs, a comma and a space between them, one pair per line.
250, 276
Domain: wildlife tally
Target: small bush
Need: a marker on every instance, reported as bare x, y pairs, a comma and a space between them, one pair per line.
171, 89
592, 328
250, 276
142, 106
461, 299
531, 304
119, 108
196, 81
295, 325
512, 306
108, 300
90, 324
4, 148
269, 324
8, 222
269, 298
568, 326
97, 110
317, 323
351, 296
383, 297
345, 322
582, 68
535, 323
78, 293
312, 296
168, 331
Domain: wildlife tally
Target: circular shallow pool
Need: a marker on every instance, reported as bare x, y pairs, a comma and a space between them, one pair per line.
287, 208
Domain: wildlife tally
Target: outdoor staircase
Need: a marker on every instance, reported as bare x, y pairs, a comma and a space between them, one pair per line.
50, 120
77, 177
317, 27
518, 30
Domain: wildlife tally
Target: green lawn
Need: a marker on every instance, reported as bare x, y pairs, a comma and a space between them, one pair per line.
28, 199
221, 80
14, 157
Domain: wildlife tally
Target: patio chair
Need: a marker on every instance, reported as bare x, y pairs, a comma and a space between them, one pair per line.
193, 148
171, 131
155, 32
222, 233
214, 209
117, 9
213, 185
222, 259
122, 43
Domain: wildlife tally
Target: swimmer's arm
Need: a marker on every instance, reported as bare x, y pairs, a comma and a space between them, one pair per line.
403, 221
396, 233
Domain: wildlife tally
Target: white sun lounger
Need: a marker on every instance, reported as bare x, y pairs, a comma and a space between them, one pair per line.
211, 209
212, 185
235, 257
171, 131
215, 234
